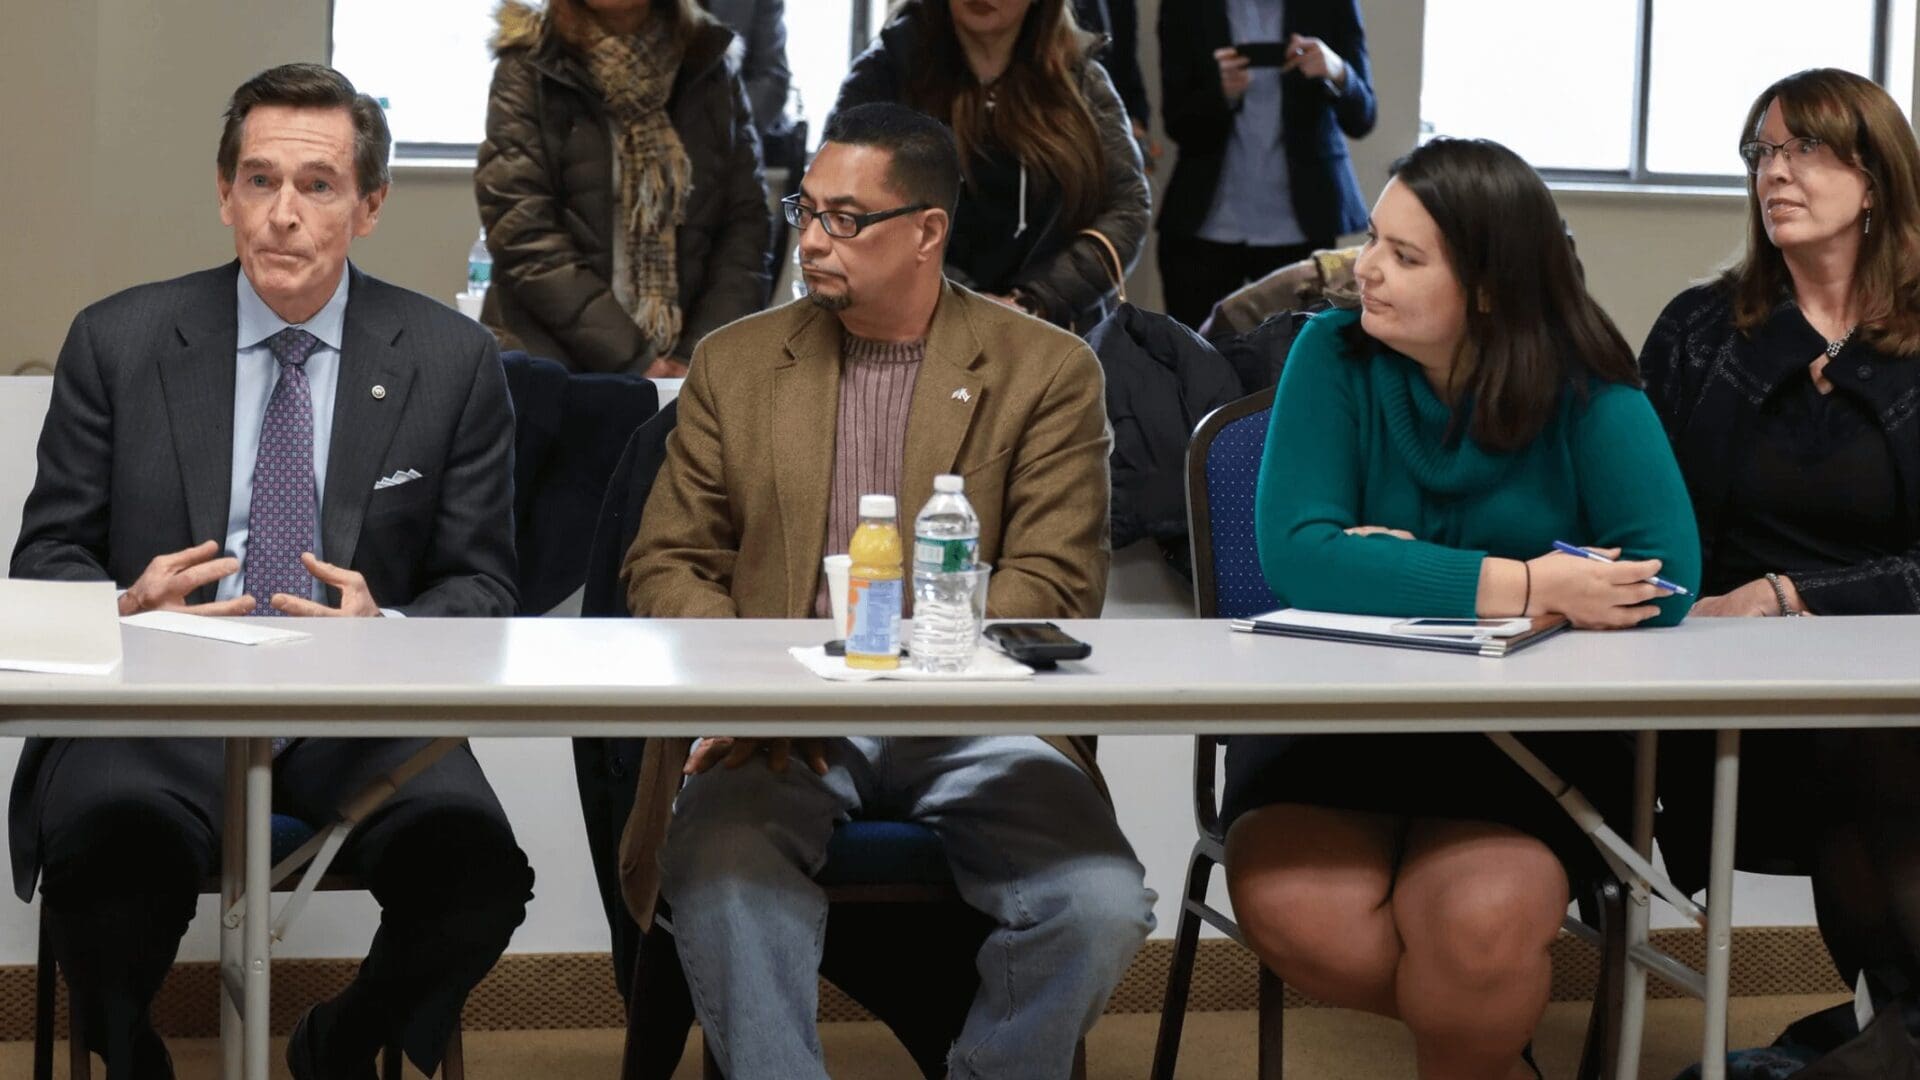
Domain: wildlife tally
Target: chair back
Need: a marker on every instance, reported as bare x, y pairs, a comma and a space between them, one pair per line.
619, 519
569, 432
1223, 466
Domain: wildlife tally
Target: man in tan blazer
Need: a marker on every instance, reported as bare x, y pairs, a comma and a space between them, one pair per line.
886, 376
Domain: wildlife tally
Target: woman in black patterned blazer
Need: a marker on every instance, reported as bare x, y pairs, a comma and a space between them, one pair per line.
1789, 387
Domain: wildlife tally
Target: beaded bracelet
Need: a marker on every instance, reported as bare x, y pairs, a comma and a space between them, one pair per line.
1780, 594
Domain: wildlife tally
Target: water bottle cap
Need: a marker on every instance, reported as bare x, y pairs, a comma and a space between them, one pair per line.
880, 506
948, 483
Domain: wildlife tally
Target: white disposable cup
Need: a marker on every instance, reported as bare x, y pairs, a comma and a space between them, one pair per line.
838, 568
469, 304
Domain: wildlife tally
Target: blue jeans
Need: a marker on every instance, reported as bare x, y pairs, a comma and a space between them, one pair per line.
1032, 845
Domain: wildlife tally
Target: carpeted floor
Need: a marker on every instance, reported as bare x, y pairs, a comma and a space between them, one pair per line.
1322, 1044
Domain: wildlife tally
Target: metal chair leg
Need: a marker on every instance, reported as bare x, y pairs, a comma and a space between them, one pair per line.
390, 1059
1186, 947
43, 1004
1598, 1057
45, 1001
453, 1063
79, 1062
1273, 1011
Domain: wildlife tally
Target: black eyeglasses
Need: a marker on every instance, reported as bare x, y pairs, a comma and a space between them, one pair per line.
1758, 153
838, 223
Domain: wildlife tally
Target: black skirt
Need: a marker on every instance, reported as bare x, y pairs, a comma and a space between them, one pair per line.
1459, 777
1795, 788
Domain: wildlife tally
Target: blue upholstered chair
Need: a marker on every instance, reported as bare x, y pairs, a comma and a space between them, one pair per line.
1223, 468
1223, 465
289, 833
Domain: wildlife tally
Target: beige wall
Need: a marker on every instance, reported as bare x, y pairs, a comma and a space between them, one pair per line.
111, 120
113, 112
47, 127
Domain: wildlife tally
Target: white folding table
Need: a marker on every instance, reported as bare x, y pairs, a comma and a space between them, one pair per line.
458, 678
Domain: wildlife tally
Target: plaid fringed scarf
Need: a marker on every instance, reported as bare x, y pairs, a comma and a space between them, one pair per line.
635, 74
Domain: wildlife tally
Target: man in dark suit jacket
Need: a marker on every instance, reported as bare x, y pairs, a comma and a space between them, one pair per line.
1262, 178
349, 444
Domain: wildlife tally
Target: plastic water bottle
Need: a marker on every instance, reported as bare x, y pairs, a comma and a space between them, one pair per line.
946, 540
479, 266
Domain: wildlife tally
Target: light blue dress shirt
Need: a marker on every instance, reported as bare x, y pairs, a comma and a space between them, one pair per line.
1253, 203
256, 373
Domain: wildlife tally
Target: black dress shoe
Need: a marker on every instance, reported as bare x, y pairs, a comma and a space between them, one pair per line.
306, 1051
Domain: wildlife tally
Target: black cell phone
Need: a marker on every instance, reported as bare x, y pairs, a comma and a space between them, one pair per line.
1037, 644
1263, 53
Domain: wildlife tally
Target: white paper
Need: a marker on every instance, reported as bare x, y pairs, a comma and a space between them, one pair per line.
59, 627
233, 631
988, 666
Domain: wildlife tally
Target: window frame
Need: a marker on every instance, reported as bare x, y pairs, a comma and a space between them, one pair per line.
409, 154
1636, 174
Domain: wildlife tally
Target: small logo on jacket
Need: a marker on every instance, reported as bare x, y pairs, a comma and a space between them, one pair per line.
962, 395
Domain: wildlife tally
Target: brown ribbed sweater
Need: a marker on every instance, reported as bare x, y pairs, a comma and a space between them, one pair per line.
870, 436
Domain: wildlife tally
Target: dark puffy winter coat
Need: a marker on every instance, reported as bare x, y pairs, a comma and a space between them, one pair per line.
545, 188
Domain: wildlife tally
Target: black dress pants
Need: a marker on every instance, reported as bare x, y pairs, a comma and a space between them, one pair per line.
129, 828
1197, 274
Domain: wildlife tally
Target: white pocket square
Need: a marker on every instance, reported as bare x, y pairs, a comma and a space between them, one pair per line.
401, 476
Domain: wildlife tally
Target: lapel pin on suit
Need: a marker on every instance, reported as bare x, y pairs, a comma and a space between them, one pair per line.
379, 392
962, 395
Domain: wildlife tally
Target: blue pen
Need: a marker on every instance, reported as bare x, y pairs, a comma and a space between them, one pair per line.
1574, 549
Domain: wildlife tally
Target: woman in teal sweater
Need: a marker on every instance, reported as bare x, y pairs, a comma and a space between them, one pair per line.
1424, 455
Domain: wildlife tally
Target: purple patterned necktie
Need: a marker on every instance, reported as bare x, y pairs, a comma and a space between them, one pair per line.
280, 522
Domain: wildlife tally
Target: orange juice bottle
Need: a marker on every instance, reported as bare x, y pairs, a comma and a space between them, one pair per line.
874, 583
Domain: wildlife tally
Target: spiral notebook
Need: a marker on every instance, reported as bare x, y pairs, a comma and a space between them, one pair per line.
1470, 637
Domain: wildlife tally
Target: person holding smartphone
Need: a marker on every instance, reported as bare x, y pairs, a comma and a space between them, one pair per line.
1425, 454
1260, 97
